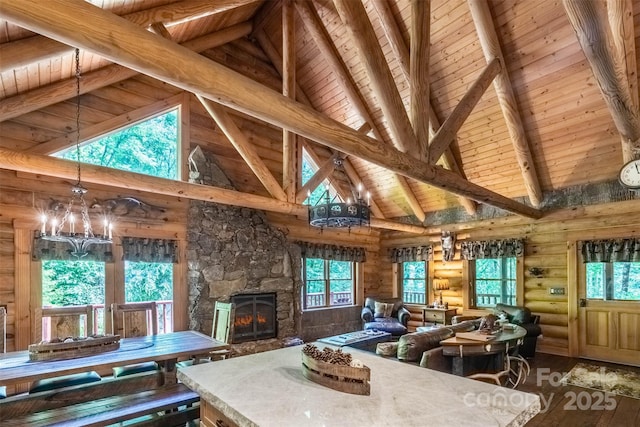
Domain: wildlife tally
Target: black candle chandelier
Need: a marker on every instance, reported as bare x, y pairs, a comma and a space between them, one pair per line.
330, 211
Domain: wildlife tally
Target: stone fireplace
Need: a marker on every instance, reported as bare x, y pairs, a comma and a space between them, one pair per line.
255, 317
234, 252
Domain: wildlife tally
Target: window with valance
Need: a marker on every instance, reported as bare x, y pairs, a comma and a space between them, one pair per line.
332, 252
411, 254
46, 250
612, 250
479, 249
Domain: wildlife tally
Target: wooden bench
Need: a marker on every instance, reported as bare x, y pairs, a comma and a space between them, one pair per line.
161, 407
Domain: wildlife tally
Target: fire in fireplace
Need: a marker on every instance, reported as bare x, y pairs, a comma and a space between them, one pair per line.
255, 317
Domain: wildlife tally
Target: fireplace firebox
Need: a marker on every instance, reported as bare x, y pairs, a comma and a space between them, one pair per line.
255, 317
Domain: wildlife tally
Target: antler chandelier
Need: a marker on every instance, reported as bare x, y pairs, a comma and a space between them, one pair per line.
79, 240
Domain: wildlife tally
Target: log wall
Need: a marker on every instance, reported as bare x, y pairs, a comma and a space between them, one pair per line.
546, 246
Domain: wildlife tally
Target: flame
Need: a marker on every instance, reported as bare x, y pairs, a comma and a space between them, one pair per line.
247, 320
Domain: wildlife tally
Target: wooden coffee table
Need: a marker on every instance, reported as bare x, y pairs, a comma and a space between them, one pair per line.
469, 354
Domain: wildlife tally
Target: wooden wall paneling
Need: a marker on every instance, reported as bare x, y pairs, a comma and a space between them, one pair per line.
23, 288
181, 289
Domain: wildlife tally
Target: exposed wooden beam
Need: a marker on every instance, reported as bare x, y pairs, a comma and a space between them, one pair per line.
321, 174
363, 37
66, 169
620, 13
590, 23
80, 23
38, 48
44, 96
502, 84
89, 132
321, 37
160, 29
419, 73
396, 40
401, 53
244, 147
447, 132
289, 139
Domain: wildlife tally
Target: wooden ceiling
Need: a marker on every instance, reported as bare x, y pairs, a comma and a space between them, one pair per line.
541, 122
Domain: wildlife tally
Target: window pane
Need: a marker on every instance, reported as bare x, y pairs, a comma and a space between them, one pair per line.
341, 292
595, 280
626, 281
495, 281
414, 282
339, 270
74, 283
315, 269
149, 147
151, 281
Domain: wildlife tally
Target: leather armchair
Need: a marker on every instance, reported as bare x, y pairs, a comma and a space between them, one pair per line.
522, 316
390, 315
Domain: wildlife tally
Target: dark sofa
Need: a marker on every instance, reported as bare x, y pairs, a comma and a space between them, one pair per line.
388, 315
522, 316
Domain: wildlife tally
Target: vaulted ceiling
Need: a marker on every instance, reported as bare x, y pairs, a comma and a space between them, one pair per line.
498, 102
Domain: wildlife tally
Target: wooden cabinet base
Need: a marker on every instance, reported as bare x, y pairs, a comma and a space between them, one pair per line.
211, 417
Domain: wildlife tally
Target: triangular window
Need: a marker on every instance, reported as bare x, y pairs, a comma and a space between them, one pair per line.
309, 168
149, 147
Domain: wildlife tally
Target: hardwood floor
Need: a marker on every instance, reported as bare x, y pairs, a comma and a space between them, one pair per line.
567, 405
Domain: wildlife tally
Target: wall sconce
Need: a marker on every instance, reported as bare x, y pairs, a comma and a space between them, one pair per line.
536, 271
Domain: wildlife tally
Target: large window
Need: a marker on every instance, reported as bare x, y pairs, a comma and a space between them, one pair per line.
414, 281
151, 281
149, 147
328, 283
495, 282
613, 280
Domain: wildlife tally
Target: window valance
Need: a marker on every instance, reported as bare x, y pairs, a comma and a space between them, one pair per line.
149, 250
612, 250
334, 252
46, 250
411, 254
479, 249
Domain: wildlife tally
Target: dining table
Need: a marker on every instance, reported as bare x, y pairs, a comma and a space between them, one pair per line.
165, 349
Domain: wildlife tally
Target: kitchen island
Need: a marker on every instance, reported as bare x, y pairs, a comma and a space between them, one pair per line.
269, 389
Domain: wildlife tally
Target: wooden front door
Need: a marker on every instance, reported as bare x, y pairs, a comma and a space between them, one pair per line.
609, 327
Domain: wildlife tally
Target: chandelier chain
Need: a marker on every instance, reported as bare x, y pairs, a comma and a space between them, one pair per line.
78, 112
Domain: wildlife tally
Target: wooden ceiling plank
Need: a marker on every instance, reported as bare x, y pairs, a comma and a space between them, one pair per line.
502, 84
98, 30
363, 37
23, 52
591, 26
401, 53
447, 132
244, 147
419, 73
323, 41
60, 91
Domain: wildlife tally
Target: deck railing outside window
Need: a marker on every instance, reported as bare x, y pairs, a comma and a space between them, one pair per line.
413, 297
336, 298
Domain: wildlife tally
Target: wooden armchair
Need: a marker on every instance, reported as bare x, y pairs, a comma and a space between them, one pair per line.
136, 319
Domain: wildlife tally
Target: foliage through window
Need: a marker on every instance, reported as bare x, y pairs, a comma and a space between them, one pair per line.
613, 280
149, 147
495, 282
151, 281
328, 283
414, 281
75, 283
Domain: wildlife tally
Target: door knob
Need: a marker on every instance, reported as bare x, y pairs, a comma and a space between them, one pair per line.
583, 302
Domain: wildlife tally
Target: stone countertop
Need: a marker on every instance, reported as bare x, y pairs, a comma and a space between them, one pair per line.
269, 389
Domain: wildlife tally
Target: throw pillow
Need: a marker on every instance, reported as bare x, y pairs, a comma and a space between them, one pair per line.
382, 309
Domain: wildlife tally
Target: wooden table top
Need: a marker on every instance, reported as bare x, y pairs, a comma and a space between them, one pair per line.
502, 337
15, 367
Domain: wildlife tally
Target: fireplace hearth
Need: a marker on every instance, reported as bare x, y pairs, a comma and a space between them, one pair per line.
255, 317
